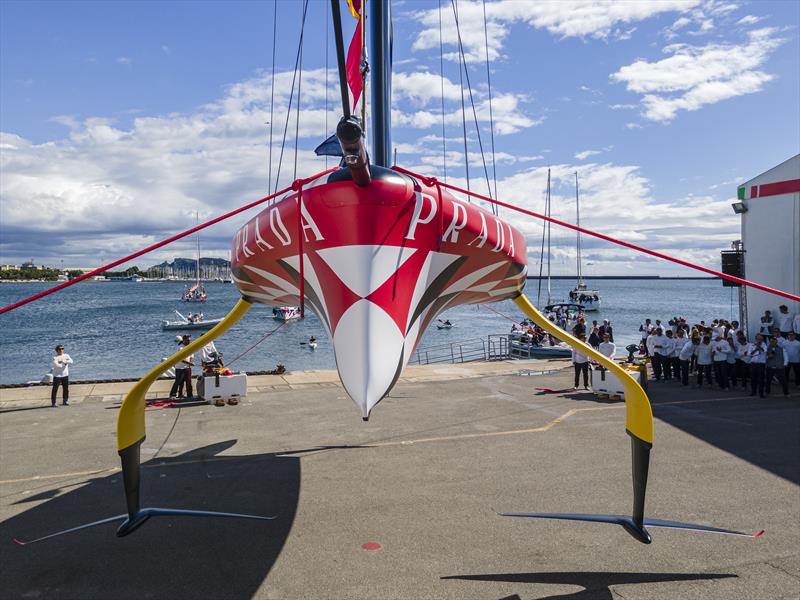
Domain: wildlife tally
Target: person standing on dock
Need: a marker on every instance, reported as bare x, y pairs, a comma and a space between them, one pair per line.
742, 359
183, 374
607, 347
685, 355
721, 350
776, 366
704, 351
766, 324
784, 320
645, 329
581, 364
606, 328
757, 351
655, 348
792, 350
61, 363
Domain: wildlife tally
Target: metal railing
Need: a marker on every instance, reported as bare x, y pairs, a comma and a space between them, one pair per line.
494, 347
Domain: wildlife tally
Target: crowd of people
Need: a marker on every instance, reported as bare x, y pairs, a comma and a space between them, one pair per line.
720, 353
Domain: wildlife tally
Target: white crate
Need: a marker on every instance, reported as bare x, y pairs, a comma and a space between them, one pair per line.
229, 386
605, 382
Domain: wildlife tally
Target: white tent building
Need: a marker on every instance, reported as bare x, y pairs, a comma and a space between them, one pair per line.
770, 208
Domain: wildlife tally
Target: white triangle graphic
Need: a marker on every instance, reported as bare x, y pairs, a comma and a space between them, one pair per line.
365, 268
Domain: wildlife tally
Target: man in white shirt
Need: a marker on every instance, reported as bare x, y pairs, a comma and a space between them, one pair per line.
791, 349
685, 356
796, 324
757, 351
721, 348
667, 349
645, 330
703, 351
607, 347
581, 364
783, 320
655, 347
183, 374
742, 359
678, 342
61, 363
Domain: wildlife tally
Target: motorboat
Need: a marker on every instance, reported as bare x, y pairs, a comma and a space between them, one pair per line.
444, 325
190, 322
196, 293
588, 299
285, 313
522, 345
563, 314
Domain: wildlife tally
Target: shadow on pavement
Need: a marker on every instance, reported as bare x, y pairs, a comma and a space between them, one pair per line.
762, 431
596, 584
167, 557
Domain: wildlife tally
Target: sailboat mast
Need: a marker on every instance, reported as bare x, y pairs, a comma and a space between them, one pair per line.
547, 212
380, 27
578, 219
197, 219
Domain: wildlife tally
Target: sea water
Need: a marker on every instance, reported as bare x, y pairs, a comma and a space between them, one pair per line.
112, 329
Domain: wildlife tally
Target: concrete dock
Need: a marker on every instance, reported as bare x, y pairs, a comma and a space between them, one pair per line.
403, 506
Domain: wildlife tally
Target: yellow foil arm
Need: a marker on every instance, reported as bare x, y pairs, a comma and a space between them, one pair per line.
130, 422
639, 414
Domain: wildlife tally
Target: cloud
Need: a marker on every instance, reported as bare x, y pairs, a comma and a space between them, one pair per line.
749, 20
166, 50
695, 76
108, 188
594, 19
124, 60
586, 154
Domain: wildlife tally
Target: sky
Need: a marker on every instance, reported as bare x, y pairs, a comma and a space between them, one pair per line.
122, 121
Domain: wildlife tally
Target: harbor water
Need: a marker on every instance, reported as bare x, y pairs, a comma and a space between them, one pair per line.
112, 329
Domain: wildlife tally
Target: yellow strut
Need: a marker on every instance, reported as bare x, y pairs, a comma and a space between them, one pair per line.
130, 422
639, 414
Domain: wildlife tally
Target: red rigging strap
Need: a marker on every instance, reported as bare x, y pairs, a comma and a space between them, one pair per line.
431, 181
296, 186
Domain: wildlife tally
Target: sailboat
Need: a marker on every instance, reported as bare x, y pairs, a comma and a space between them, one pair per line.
383, 259
196, 293
581, 294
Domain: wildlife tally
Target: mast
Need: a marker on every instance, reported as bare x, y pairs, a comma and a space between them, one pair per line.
197, 218
547, 211
578, 219
380, 28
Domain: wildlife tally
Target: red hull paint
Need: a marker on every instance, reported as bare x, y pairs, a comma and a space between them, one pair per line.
379, 264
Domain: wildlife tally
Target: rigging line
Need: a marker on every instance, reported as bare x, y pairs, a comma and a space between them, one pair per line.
578, 223
327, 44
441, 81
474, 112
291, 94
541, 253
297, 114
549, 247
491, 114
463, 109
272, 88
265, 336
160, 244
432, 181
